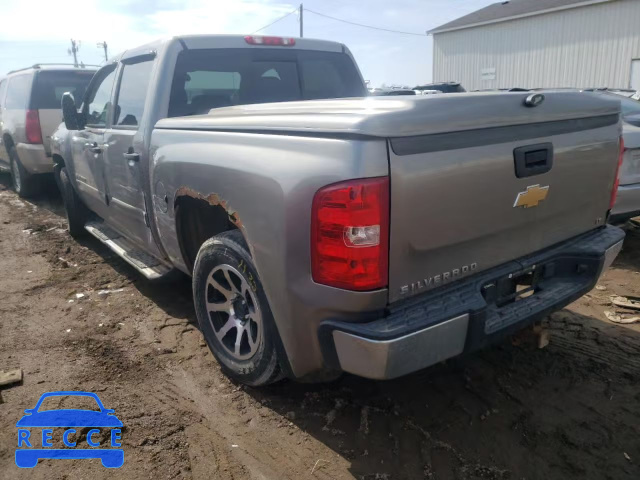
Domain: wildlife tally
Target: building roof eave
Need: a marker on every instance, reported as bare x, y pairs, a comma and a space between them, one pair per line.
444, 28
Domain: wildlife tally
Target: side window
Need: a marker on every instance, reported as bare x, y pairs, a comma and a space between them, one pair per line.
98, 103
322, 80
3, 89
132, 93
208, 82
18, 92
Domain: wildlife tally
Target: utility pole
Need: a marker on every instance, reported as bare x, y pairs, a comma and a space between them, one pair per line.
103, 45
75, 46
301, 21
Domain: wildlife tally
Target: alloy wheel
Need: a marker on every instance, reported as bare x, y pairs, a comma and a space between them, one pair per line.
234, 312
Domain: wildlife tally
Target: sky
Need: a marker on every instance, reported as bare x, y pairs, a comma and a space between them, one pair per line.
39, 31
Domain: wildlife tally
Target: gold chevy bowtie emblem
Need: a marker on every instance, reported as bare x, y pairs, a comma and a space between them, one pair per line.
532, 197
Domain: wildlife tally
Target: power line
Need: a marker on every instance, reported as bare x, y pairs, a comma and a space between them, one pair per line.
365, 26
275, 21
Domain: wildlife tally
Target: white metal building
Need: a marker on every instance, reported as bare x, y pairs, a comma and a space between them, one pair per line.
542, 43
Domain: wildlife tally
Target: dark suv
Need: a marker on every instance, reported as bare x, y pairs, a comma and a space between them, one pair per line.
444, 87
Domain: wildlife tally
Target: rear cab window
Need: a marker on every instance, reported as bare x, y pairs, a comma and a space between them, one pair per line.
18, 92
213, 78
50, 85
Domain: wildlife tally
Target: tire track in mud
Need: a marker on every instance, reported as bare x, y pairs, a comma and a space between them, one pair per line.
258, 446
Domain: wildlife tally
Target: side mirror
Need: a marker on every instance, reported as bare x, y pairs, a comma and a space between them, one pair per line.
70, 112
29, 411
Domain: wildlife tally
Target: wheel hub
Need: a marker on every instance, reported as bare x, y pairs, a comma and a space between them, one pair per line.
240, 308
234, 312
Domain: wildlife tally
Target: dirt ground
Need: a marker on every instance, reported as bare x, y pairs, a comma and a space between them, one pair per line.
571, 410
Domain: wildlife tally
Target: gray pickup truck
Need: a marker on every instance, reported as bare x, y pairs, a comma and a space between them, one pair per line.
329, 231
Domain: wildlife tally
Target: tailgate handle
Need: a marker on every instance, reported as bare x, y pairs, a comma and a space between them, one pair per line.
533, 159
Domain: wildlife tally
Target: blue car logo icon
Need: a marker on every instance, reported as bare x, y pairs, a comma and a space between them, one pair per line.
28, 452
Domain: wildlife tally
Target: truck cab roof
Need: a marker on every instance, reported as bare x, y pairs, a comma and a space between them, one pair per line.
158, 47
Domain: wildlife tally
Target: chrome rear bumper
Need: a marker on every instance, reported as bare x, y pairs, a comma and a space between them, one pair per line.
400, 356
464, 316
610, 255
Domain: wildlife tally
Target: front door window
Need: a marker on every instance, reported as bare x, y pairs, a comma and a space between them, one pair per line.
98, 105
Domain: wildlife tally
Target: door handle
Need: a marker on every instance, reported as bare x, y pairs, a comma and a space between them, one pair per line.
93, 147
132, 156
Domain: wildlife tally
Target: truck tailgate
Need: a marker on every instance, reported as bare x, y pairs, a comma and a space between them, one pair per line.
469, 198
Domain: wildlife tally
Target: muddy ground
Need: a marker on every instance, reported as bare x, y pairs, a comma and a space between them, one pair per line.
571, 410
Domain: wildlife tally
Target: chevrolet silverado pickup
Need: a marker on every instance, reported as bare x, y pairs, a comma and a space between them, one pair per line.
328, 231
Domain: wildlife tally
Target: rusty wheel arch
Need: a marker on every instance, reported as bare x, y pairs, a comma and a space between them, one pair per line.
199, 217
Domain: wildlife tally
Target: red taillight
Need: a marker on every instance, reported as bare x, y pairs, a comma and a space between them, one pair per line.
350, 234
616, 182
273, 41
32, 127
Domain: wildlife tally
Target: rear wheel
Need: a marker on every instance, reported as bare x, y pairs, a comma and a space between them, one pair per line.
24, 183
57, 168
77, 212
233, 311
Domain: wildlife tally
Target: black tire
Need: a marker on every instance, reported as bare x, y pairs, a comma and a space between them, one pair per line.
77, 212
220, 258
57, 168
24, 183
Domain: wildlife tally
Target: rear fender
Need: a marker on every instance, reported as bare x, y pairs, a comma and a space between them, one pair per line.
266, 183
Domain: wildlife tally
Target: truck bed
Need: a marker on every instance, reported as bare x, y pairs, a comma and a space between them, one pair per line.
388, 117
459, 205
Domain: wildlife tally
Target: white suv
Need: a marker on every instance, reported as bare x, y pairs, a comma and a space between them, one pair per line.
29, 113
